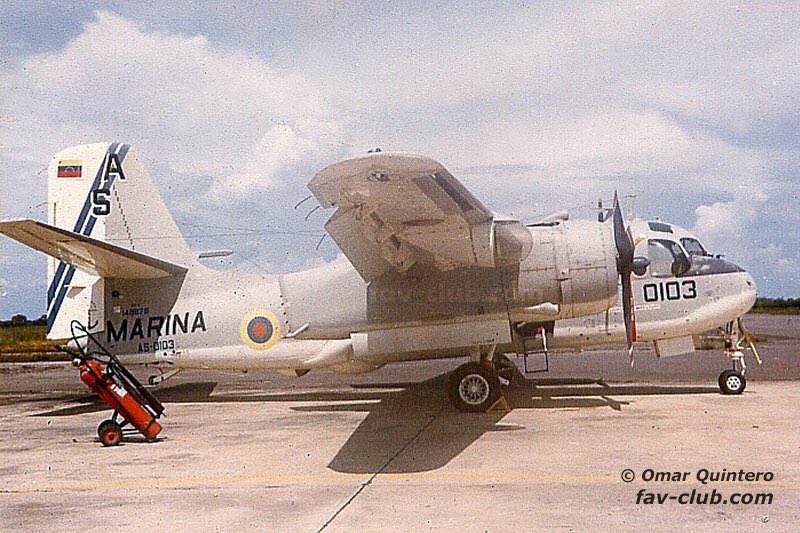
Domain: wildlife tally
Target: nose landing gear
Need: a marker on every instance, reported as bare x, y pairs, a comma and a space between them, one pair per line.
732, 381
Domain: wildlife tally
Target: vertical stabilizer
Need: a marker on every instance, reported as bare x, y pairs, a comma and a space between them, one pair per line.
102, 191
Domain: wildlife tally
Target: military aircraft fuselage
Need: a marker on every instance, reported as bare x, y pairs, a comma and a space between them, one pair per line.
428, 271
312, 318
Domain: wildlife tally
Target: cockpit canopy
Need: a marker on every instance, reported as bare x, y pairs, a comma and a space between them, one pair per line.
667, 258
693, 246
674, 252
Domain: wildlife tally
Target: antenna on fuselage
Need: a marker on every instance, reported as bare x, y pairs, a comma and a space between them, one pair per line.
603, 213
304, 200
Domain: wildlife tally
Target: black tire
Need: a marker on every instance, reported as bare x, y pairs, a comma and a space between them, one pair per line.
731, 382
473, 388
110, 433
103, 425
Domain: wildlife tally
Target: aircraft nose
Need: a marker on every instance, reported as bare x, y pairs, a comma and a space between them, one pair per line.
749, 291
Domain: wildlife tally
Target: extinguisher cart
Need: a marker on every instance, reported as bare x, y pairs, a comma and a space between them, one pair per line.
136, 410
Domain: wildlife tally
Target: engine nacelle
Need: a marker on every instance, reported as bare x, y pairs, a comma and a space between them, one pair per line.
571, 272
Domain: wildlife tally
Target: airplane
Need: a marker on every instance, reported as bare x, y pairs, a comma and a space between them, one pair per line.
430, 273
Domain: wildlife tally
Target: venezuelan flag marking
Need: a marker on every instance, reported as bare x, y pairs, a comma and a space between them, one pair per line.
70, 168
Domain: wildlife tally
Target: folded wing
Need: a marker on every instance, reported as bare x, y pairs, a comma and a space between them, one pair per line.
398, 211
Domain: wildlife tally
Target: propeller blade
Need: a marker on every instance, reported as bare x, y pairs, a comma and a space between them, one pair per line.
622, 238
625, 252
628, 313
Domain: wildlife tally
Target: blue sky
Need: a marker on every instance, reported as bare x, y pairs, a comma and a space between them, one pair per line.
535, 107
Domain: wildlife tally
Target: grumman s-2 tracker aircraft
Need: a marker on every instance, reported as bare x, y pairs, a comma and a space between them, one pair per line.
432, 273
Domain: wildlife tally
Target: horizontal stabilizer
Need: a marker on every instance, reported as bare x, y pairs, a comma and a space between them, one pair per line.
87, 254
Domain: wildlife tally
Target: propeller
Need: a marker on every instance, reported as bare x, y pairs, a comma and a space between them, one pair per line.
625, 267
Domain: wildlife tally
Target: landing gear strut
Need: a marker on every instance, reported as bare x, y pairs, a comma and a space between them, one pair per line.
732, 381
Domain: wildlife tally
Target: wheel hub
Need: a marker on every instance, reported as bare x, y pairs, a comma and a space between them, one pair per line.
733, 382
473, 389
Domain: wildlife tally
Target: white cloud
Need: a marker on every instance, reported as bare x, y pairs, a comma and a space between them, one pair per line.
198, 109
279, 149
729, 227
600, 143
535, 108
586, 153
743, 77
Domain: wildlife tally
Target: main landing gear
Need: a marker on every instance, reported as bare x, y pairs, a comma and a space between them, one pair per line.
473, 388
732, 381
476, 386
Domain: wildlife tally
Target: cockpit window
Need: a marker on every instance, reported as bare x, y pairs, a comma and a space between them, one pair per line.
667, 258
693, 247
659, 226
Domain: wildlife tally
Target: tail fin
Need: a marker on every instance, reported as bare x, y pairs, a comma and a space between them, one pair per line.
102, 191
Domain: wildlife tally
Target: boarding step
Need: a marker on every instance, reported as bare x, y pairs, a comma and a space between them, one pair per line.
535, 357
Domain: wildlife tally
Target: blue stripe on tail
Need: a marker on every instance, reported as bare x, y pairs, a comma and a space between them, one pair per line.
57, 291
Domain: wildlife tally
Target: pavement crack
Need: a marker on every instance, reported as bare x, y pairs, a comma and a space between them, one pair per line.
375, 474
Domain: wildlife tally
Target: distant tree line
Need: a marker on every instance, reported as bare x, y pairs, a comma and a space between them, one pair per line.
777, 303
22, 320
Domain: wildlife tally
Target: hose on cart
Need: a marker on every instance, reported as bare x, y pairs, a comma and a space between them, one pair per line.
105, 374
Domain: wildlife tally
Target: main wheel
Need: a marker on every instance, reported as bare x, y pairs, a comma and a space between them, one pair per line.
473, 388
110, 433
731, 382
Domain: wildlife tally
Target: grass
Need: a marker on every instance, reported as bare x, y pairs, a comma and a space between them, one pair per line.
27, 343
776, 310
777, 306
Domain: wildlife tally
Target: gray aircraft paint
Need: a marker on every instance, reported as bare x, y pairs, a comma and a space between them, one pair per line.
404, 302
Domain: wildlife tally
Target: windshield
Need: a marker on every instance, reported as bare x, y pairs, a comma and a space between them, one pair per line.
667, 258
693, 246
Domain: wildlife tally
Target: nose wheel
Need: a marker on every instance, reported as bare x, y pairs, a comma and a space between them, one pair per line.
737, 340
732, 382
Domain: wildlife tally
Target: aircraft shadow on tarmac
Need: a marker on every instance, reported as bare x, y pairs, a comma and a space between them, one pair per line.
412, 427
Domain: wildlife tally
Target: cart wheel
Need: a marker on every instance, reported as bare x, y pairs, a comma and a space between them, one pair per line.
103, 425
110, 433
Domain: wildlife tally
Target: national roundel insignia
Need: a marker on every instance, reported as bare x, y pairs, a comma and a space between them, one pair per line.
260, 330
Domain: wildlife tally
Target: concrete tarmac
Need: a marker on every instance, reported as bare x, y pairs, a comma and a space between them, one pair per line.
386, 451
